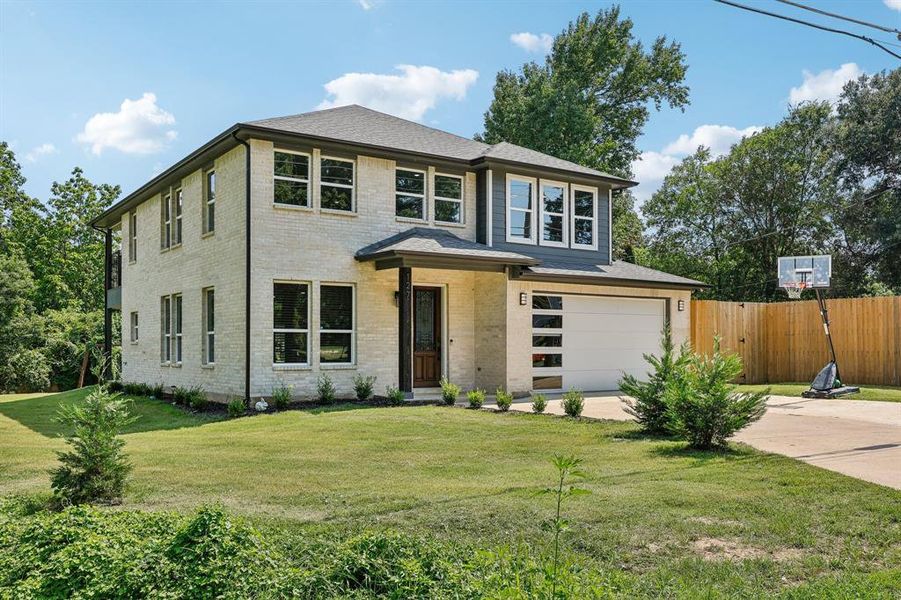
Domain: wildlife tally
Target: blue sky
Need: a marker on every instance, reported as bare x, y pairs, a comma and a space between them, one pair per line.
126, 89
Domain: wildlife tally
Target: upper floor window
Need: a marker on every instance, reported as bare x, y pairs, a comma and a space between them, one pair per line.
584, 217
166, 231
520, 209
291, 323
209, 202
336, 184
133, 236
292, 178
179, 202
409, 193
553, 214
448, 198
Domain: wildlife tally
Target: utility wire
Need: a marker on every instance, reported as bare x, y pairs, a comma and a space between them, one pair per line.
844, 18
809, 24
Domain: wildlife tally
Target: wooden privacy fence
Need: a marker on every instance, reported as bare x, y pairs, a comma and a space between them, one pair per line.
785, 341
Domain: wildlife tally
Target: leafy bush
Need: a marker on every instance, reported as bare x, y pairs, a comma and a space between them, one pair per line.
504, 399
648, 399
236, 407
137, 389
539, 403
95, 469
325, 389
394, 395
180, 395
282, 396
26, 371
156, 391
449, 391
363, 386
573, 402
703, 406
476, 398
196, 398
115, 386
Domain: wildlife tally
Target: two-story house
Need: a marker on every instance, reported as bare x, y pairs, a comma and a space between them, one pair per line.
348, 241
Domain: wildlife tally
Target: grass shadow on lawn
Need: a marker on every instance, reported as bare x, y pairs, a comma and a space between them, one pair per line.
38, 413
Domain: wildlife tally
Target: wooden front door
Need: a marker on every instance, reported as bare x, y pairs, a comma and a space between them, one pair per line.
426, 336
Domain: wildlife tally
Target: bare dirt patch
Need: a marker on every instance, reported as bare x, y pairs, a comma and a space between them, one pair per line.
719, 549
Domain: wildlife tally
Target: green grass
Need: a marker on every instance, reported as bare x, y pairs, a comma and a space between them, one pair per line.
868, 392
471, 476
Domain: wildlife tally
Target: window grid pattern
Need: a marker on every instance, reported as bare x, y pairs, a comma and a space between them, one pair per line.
166, 330
409, 194
553, 214
448, 198
209, 204
520, 210
336, 184
336, 324
209, 320
291, 323
547, 342
133, 236
179, 203
291, 178
133, 327
584, 218
177, 324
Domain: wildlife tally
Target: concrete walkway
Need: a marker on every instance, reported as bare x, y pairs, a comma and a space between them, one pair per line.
855, 437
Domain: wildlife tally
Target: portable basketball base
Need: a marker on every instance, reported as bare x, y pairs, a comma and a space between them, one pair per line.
797, 273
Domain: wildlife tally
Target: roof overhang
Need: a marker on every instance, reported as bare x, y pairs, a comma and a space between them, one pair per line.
394, 259
529, 275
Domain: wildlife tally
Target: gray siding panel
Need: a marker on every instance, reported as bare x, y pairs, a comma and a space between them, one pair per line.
568, 255
481, 202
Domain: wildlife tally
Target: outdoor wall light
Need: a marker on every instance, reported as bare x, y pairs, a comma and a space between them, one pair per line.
681, 305
523, 298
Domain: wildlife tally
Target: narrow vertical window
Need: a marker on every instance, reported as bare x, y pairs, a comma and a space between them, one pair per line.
177, 322
133, 236
291, 323
553, 214
584, 217
166, 234
134, 327
292, 178
520, 210
166, 330
209, 202
336, 184
448, 199
336, 324
179, 199
209, 326
409, 194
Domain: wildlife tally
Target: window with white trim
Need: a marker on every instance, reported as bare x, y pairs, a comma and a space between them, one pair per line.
177, 323
209, 326
547, 342
448, 198
520, 209
336, 324
409, 194
553, 214
292, 178
133, 236
133, 327
166, 330
209, 202
584, 217
179, 201
336, 184
291, 323
166, 230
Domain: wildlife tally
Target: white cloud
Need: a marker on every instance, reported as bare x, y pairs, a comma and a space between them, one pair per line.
366, 4
650, 169
893, 4
408, 95
140, 127
825, 85
719, 138
531, 42
39, 151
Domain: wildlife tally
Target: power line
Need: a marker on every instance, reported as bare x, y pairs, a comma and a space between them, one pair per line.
809, 24
844, 18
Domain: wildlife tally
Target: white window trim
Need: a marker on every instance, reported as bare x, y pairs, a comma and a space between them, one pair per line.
166, 242
307, 181
564, 214
534, 183
206, 323
208, 202
309, 284
133, 322
459, 201
166, 330
133, 236
178, 333
178, 199
424, 196
352, 187
573, 217
352, 332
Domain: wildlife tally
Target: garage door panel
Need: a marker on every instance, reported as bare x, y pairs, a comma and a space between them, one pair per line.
601, 325
603, 358
616, 341
611, 305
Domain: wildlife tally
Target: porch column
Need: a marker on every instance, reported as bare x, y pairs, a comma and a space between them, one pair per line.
107, 313
405, 331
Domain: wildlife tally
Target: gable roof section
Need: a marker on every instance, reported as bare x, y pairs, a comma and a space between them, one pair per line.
437, 243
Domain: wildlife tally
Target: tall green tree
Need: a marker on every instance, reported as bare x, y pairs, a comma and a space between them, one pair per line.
13, 199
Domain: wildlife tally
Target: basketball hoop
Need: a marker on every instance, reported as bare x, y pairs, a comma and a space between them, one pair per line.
794, 291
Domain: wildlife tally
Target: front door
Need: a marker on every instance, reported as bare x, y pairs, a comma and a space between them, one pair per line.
426, 336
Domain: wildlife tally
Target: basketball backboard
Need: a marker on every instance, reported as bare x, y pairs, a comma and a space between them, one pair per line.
805, 271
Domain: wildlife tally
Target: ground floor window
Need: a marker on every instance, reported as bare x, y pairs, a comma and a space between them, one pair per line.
336, 323
209, 326
291, 323
547, 342
166, 329
177, 319
133, 326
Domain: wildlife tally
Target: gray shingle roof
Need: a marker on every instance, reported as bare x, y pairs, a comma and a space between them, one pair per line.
618, 271
421, 241
359, 125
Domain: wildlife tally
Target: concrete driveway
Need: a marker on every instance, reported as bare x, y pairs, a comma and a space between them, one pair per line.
855, 437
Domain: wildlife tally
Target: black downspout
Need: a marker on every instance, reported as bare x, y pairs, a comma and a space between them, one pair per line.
246, 269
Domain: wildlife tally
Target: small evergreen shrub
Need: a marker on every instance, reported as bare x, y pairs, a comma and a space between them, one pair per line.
573, 402
363, 386
449, 391
282, 396
180, 395
325, 389
196, 398
394, 395
156, 391
504, 399
539, 403
703, 406
236, 407
476, 398
114, 386
95, 468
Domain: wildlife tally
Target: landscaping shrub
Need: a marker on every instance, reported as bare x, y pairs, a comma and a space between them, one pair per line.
476, 398
703, 406
180, 395
155, 391
137, 389
648, 398
282, 396
539, 403
504, 399
95, 469
573, 402
114, 386
26, 371
394, 395
449, 391
236, 407
363, 386
196, 398
325, 389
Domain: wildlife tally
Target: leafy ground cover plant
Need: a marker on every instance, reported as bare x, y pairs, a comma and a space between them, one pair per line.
394, 395
504, 399
281, 396
539, 403
573, 402
476, 398
449, 391
325, 389
95, 469
236, 407
363, 386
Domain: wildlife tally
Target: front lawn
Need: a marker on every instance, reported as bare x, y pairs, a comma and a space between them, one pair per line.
665, 520
867, 392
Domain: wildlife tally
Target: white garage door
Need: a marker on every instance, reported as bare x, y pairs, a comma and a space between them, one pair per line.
588, 342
